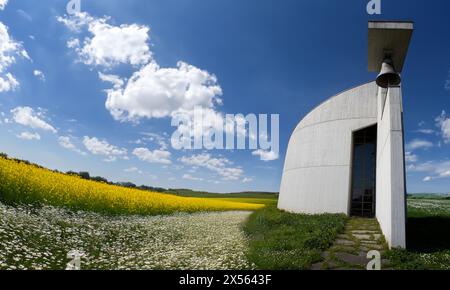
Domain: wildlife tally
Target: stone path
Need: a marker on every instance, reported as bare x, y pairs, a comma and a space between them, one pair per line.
349, 251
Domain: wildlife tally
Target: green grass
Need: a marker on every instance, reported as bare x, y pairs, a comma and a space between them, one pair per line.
266, 201
245, 194
427, 235
286, 241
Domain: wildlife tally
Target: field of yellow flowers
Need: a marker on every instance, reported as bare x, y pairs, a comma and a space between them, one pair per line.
29, 184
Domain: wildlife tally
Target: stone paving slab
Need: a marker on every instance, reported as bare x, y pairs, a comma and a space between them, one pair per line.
349, 251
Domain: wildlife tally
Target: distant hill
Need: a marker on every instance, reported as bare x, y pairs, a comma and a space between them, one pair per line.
246, 194
429, 195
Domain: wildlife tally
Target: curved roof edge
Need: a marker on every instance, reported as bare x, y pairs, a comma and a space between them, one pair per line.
329, 99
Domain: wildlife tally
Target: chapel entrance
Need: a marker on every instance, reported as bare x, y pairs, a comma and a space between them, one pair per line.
363, 191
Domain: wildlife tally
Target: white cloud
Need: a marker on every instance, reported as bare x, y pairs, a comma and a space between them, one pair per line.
9, 49
66, 143
39, 74
247, 180
3, 118
443, 122
29, 136
418, 144
152, 91
266, 155
426, 131
428, 166
410, 158
190, 177
8, 83
103, 148
133, 170
73, 43
156, 156
3, 4
26, 116
443, 174
155, 138
435, 170
155, 92
220, 166
77, 22
109, 45
113, 79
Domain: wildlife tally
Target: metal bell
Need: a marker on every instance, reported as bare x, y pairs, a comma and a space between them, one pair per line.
388, 76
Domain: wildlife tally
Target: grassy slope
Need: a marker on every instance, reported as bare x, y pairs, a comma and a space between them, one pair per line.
281, 240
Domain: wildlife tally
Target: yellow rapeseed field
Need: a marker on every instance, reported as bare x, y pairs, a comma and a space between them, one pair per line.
24, 183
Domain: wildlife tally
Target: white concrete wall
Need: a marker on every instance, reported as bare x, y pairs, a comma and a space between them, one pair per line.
390, 201
317, 171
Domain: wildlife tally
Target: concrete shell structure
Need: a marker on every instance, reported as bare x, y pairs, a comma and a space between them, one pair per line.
317, 175
317, 169
347, 155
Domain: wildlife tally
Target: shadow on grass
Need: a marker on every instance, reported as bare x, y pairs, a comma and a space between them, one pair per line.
428, 234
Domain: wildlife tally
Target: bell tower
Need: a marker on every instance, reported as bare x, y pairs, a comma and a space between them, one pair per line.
388, 47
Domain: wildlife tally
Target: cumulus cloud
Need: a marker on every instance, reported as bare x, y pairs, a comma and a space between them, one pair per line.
29, 136
9, 49
28, 117
66, 142
443, 122
152, 91
103, 148
108, 45
156, 156
155, 92
39, 74
266, 155
221, 166
418, 144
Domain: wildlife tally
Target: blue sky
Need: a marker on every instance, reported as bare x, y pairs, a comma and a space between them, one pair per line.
256, 56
